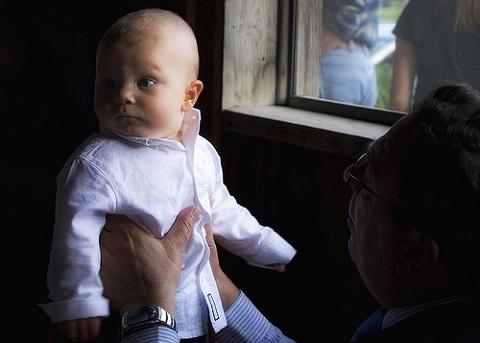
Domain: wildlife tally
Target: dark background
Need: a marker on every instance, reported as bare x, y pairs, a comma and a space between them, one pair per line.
47, 56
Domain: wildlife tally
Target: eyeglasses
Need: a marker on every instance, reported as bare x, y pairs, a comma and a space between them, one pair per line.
348, 177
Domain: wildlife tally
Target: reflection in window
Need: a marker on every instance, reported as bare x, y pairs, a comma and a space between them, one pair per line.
348, 58
383, 54
438, 42
349, 30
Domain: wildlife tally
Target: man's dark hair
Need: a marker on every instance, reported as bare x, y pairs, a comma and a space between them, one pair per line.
440, 186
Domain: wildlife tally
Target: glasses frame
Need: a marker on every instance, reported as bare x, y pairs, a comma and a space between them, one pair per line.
348, 175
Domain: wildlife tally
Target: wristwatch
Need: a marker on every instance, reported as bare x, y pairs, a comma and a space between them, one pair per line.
145, 317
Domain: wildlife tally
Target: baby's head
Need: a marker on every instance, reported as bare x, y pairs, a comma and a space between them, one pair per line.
146, 74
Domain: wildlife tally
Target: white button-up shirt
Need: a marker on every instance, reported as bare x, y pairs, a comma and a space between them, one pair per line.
150, 180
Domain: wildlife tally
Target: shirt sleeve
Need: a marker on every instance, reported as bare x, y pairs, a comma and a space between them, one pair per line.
247, 324
238, 231
84, 196
153, 335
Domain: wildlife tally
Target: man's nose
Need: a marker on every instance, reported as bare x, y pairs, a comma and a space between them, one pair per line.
125, 95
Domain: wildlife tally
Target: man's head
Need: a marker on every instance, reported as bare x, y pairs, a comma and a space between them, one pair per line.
414, 214
146, 74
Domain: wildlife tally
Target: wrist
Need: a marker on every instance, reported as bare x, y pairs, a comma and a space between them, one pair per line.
167, 303
162, 298
229, 293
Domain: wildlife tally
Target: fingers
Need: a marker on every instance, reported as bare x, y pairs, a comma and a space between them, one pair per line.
84, 329
209, 236
69, 329
182, 229
88, 328
211, 243
281, 268
114, 230
214, 261
179, 234
94, 327
118, 232
114, 221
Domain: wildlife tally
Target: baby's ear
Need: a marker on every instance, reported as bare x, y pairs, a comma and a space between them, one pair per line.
191, 95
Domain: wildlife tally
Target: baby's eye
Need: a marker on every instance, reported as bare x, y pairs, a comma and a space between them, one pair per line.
108, 84
145, 83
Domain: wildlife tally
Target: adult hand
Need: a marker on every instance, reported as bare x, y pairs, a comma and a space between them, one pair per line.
137, 269
80, 330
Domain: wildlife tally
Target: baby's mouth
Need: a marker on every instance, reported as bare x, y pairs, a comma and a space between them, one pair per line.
128, 117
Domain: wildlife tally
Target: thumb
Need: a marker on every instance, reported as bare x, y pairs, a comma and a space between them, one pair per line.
182, 229
209, 236
214, 262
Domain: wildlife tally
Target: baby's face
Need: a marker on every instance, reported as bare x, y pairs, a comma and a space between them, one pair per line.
140, 88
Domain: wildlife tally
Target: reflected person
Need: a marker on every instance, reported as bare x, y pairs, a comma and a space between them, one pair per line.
350, 28
437, 43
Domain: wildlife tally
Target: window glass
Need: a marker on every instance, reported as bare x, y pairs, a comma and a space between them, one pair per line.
438, 42
382, 48
344, 51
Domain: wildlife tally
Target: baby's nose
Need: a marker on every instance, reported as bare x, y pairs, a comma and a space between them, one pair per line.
125, 95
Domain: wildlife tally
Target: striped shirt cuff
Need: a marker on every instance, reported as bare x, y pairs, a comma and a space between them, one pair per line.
247, 324
153, 335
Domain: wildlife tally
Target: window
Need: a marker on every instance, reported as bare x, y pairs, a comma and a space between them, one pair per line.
255, 96
342, 53
339, 75
272, 64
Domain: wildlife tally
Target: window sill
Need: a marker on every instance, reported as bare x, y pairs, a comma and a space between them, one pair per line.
332, 134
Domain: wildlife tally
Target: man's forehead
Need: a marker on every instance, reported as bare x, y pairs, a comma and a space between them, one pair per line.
398, 139
386, 155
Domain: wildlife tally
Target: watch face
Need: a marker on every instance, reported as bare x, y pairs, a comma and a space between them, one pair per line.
147, 316
141, 315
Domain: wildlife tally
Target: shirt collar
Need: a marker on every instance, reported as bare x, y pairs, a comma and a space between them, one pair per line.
189, 130
397, 314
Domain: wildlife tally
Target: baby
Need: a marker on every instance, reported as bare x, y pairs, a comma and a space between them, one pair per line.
148, 163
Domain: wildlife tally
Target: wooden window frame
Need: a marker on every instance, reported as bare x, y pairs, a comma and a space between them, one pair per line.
257, 97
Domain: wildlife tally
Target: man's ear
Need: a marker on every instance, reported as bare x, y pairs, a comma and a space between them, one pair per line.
421, 256
191, 95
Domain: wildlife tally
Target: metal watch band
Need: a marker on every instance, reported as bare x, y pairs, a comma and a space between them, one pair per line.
146, 317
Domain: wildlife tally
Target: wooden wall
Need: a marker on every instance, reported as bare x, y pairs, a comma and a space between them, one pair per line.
300, 193
249, 65
307, 52
288, 183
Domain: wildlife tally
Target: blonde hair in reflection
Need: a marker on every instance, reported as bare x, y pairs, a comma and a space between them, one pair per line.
468, 15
